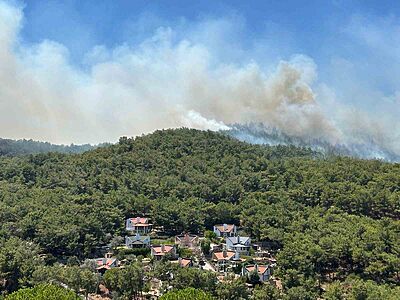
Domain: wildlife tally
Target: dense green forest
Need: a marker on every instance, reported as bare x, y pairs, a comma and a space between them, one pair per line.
22, 147
336, 219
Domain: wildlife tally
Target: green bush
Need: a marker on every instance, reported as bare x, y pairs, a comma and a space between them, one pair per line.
43, 292
187, 294
134, 251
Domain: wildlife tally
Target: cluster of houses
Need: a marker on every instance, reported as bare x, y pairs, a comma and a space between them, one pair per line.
236, 246
225, 257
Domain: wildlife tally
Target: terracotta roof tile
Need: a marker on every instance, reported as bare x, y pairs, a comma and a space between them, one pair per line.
139, 220
226, 228
159, 250
224, 255
261, 269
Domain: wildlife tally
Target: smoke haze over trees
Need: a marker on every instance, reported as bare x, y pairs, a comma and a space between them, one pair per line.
20, 147
173, 78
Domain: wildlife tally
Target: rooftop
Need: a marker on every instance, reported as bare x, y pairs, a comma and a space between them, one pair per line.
225, 227
260, 268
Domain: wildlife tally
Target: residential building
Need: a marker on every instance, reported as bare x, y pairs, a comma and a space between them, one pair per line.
137, 241
264, 271
139, 225
106, 263
225, 230
158, 252
225, 259
184, 262
187, 240
240, 244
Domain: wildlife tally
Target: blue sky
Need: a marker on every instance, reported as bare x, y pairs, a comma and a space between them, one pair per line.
308, 25
319, 29
311, 68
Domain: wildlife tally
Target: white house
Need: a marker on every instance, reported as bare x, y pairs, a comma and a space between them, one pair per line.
240, 244
263, 271
137, 241
139, 225
225, 230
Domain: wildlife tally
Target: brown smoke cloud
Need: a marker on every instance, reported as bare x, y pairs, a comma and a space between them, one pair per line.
159, 84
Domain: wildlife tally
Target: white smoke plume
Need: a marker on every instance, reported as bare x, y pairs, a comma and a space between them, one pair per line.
159, 84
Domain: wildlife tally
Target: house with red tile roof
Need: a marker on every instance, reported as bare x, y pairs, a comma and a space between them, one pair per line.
158, 252
225, 259
139, 225
184, 262
187, 240
225, 230
264, 271
106, 263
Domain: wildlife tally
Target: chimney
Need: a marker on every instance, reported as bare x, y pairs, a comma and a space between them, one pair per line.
180, 261
225, 226
162, 248
224, 254
256, 267
137, 219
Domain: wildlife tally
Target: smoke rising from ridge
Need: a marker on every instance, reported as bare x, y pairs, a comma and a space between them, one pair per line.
163, 83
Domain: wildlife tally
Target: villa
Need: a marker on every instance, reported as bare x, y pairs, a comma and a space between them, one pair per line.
187, 240
240, 244
225, 259
139, 225
158, 252
225, 230
184, 262
137, 241
106, 263
263, 271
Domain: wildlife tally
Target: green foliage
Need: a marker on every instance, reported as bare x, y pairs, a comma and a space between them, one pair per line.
122, 253
18, 261
80, 279
355, 289
23, 147
190, 277
209, 234
187, 294
43, 292
233, 289
332, 217
253, 277
128, 282
205, 246
300, 293
266, 292
185, 252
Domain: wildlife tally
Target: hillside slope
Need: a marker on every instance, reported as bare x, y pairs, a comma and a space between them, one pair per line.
260, 134
22, 147
329, 216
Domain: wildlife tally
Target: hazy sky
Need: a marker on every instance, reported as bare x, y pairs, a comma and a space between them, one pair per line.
91, 71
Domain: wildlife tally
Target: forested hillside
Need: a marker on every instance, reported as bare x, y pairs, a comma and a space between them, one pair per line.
21, 147
335, 219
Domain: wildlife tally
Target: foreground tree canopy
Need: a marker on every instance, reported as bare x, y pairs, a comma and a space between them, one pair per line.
187, 294
43, 292
332, 217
